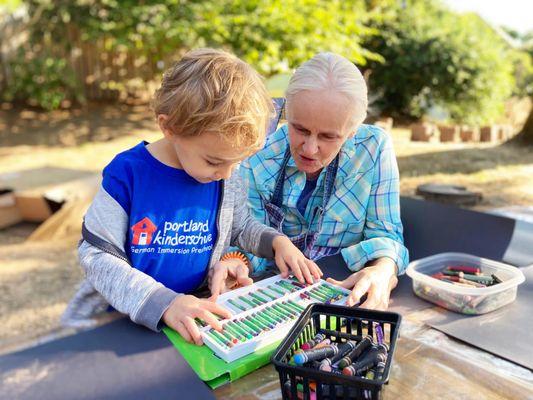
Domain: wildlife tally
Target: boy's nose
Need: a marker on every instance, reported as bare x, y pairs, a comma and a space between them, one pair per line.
224, 173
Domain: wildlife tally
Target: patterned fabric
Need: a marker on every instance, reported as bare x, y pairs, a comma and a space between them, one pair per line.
362, 217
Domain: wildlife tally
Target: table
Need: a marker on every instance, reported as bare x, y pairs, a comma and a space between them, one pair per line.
427, 365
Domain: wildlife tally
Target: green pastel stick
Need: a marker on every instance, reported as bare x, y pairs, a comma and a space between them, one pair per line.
235, 334
282, 314
273, 315
227, 342
259, 322
253, 324
236, 305
226, 335
262, 314
238, 330
275, 290
288, 309
265, 293
317, 296
245, 325
259, 298
216, 339
245, 300
298, 307
243, 328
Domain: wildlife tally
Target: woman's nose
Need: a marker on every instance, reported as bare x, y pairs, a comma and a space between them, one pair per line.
310, 146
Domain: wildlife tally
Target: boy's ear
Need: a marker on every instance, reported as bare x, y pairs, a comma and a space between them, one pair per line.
162, 121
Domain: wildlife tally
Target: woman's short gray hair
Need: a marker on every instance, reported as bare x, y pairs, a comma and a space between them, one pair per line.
331, 71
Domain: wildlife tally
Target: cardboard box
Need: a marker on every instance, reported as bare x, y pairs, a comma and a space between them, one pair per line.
40, 192
9, 213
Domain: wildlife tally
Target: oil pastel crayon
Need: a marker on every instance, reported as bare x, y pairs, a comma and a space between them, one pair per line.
464, 268
239, 328
379, 333
380, 370
364, 365
326, 363
318, 354
265, 293
369, 359
362, 346
236, 305
313, 342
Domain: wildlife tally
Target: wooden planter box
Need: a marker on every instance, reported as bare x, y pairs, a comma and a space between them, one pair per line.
449, 133
423, 132
469, 134
489, 133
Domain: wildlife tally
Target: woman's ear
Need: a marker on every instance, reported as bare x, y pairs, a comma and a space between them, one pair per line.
162, 121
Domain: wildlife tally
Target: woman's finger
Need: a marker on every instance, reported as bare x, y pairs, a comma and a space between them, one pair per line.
348, 283
315, 269
282, 266
306, 272
296, 271
360, 288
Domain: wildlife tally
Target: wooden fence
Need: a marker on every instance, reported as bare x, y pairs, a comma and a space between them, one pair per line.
102, 72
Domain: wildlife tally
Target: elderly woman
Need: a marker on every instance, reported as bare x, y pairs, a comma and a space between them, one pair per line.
331, 183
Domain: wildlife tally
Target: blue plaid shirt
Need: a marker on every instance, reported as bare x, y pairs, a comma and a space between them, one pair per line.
362, 218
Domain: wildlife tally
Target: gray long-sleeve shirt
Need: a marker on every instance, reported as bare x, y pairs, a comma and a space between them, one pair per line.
110, 280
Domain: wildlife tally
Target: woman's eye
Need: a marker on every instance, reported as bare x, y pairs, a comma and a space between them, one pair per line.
212, 163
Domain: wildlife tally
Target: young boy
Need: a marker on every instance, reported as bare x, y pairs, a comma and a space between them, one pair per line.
168, 210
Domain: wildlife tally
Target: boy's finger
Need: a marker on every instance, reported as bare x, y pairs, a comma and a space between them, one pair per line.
211, 319
180, 328
217, 309
241, 273
217, 282
193, 330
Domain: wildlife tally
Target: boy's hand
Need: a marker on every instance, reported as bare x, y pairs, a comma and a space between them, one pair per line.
226, 272
184, 309
289, 258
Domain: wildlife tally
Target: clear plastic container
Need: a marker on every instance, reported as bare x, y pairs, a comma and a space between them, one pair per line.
462, 299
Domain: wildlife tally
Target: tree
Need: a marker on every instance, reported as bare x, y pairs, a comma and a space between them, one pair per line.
434, 57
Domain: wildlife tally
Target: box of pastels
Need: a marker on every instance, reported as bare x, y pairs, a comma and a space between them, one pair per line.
337, 352
263, 313
465, 283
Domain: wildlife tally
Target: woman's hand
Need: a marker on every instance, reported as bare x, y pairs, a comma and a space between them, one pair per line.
289, 258
377, 280
225, 273
184, 309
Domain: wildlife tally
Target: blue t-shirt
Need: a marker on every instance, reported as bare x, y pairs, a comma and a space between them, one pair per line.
172, 217
309, 188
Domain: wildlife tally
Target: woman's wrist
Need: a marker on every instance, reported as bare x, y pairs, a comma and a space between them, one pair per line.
386, 264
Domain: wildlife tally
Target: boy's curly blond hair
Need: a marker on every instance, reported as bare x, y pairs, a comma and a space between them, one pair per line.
213, 91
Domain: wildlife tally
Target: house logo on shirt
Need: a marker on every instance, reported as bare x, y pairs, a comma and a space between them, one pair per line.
143, 232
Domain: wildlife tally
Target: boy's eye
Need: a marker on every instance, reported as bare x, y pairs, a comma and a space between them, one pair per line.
212, 163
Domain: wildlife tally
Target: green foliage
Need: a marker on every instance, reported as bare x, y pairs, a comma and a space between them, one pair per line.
41, 80
434, 57
273, 36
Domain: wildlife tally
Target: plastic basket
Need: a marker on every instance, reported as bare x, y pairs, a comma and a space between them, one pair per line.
339, 324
